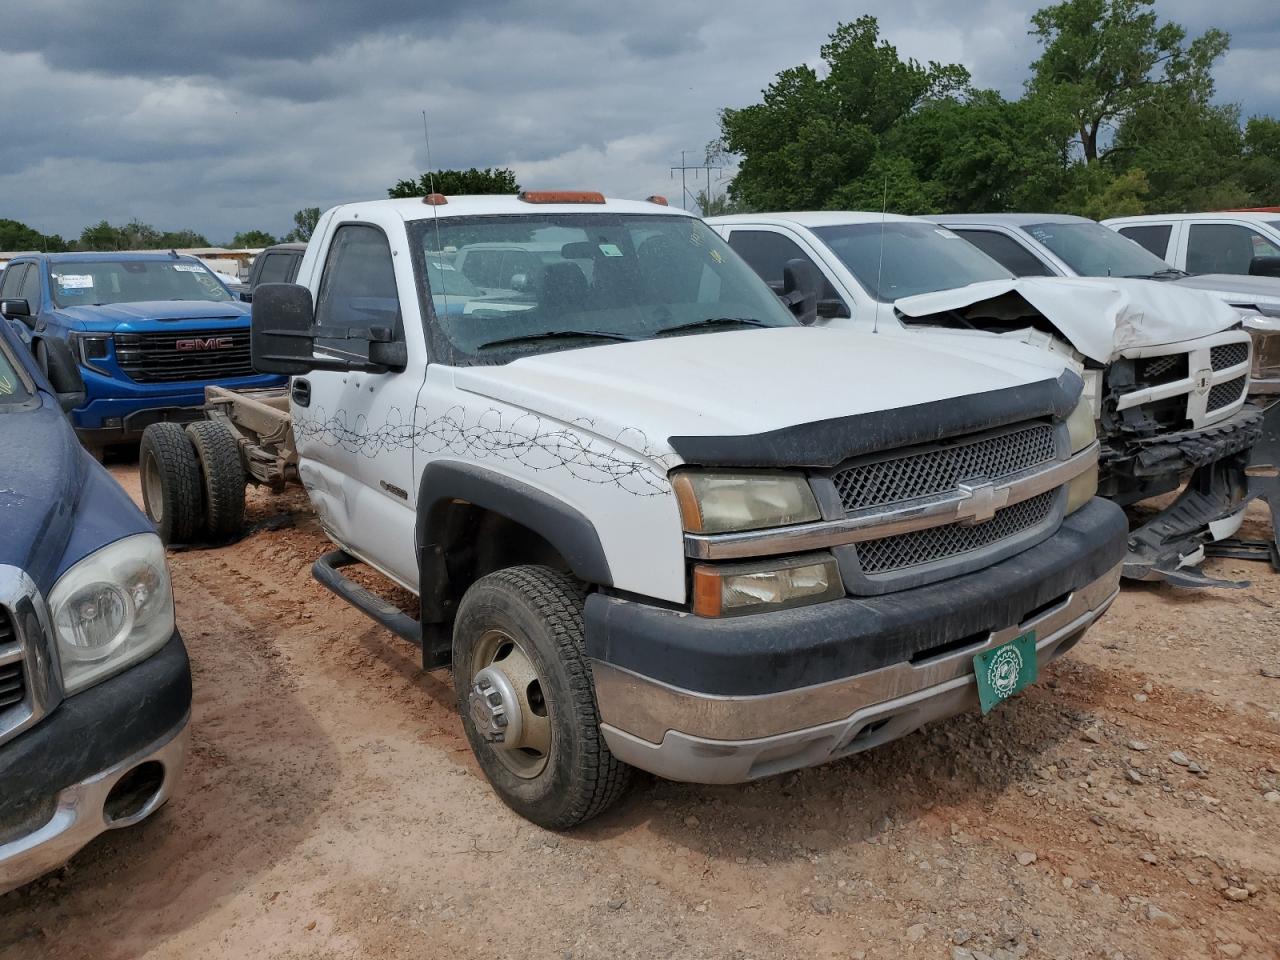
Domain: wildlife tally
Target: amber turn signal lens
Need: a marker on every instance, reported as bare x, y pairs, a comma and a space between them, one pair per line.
707, 592
435, 199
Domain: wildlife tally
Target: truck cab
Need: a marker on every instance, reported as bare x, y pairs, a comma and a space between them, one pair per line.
95, 687
149, 331
1166, 369
653, 521
276, 264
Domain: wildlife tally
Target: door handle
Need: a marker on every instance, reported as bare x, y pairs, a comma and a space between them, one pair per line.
301, 392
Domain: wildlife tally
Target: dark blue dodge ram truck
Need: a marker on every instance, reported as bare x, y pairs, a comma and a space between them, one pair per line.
95, 687
149, 331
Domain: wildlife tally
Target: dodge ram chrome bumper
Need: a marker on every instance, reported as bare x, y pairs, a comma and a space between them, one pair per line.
712, 701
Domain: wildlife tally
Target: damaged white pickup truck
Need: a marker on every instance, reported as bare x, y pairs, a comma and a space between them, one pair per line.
651, 520
1166, 370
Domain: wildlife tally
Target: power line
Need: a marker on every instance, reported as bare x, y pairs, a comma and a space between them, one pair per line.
684, 167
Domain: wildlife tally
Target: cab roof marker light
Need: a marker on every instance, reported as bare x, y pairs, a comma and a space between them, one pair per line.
561, 196
658, 198
435, 199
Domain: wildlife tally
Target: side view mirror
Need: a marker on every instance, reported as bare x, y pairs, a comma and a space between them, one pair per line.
58, 364
17, 309
282, 336
801, 287
1264, 267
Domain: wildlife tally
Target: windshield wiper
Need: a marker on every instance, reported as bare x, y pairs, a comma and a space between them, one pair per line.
714, 322
1169, 273
555, 335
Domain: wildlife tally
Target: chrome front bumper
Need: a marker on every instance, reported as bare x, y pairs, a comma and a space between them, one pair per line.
80, 813
683, 735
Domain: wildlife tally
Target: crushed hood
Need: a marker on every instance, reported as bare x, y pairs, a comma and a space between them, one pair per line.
1102, 317
746, 382
1238, 290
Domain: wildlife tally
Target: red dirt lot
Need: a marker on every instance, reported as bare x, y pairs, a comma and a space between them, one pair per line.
1127, 806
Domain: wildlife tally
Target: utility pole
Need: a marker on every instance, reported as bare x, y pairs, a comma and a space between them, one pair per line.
684, 167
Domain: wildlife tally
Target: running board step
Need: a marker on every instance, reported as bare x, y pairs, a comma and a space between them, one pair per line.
326, 570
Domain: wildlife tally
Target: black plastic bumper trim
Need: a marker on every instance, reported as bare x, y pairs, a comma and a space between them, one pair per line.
96, 729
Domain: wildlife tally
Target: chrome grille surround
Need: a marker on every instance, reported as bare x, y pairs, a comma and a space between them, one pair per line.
897, 478
26, 650
1209, 363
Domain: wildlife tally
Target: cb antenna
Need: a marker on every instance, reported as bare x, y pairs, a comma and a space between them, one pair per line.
884, 206
435, 211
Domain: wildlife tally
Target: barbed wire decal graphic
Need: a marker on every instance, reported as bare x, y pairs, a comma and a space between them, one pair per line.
536, 444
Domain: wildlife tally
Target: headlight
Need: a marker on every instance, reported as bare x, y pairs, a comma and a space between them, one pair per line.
777, 584
1081, 426
112, 609
1265, 332
716, 502
1082, 430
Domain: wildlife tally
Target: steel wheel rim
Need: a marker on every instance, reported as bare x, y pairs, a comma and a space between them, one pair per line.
153, 489
526, 754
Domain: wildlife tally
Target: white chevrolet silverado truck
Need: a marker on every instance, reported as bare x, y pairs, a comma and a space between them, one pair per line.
651, 519
1166, 370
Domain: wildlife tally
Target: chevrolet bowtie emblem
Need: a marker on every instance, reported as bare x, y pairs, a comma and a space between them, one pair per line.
981, 503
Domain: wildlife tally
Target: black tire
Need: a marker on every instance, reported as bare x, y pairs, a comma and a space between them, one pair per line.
542, 610
171, 488
223, 473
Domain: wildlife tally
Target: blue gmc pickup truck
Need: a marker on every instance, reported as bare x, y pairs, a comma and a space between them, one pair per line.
148, 330
95, 687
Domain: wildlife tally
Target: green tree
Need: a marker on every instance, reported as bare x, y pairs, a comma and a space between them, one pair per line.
16, 236
716, 204
253, 238
304, 224
458, 183
1260, 165
1096, 191
811, 136
1104, 59
101, 236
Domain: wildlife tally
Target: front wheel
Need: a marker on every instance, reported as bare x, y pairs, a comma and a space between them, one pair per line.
527, 700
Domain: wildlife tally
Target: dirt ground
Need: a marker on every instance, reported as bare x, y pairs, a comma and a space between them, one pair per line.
1125, 807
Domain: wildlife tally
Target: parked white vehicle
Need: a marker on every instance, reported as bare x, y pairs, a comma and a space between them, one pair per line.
1060, 245
652, 520
1166, 369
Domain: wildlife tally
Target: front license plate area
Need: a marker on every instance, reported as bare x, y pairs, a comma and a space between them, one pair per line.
1004, 670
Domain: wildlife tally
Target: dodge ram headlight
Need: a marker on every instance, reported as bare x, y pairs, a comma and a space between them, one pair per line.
112, 609
1082, 430
721, 502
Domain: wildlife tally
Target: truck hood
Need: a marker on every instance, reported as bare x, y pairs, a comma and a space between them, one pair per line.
1102, 317
1238, 290
746, 382
56, 505
109, 316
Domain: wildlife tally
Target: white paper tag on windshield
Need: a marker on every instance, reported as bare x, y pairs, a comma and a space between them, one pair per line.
189, 267
75, 281
610, 250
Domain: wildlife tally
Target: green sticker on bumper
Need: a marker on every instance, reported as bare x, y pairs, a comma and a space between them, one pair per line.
1004, 670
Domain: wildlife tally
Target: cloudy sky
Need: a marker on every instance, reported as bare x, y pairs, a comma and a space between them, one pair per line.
232, 114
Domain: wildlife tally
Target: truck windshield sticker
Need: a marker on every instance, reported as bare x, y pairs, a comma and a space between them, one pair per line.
610, 250
188, 268
537, 444
6, 386
74, 281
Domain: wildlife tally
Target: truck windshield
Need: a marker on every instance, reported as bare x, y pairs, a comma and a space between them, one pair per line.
97, 282
897, 259
505, 286
12, 389
1092, 250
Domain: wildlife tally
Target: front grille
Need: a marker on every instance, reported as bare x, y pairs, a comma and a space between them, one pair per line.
1229, 355
1225, 394
890, 554
13, 684
1166, 369
189, 355
940, 469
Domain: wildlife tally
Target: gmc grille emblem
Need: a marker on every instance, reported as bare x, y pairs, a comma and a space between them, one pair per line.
204, 343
